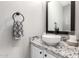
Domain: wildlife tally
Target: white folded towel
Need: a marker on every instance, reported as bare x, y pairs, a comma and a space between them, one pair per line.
72, 38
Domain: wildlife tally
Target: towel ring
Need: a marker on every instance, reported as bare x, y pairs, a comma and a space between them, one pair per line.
17, 14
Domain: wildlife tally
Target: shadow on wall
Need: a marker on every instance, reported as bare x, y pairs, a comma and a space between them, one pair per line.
8, 46
6, 33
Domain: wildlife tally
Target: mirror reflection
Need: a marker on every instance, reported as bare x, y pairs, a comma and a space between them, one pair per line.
59, 16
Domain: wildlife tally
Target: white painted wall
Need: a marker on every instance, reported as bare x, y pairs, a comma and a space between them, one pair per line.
34, 24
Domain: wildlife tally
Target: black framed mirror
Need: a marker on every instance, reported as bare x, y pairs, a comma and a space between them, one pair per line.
55, 23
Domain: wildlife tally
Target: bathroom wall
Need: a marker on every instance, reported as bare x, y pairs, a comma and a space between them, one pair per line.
34, 24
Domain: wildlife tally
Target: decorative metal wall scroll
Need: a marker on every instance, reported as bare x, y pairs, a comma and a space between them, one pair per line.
17, 26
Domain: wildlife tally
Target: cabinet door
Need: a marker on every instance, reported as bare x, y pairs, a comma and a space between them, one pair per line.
36, 52
47, 55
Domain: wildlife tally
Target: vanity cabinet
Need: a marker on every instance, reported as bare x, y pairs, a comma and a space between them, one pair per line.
40, 53
47, 55
36, 52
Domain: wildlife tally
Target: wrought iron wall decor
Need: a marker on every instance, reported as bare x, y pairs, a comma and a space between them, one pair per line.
17, 26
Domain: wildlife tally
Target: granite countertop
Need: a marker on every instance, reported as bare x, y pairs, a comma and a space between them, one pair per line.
62, 49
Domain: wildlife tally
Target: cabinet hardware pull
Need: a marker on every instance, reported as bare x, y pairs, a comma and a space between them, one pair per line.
45, 55
40, 52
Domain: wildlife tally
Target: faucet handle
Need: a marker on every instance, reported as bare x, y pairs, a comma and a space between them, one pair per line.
64, 38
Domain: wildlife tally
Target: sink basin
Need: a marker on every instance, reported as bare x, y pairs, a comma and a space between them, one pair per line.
51, 40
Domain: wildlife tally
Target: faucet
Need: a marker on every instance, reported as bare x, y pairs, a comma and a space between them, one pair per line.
56, 28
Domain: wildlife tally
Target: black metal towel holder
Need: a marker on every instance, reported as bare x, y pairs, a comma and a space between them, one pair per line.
17, 14
17, 30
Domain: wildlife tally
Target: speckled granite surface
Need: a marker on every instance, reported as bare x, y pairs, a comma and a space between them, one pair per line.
62, 49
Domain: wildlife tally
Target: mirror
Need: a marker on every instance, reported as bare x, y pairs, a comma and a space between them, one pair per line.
60, 17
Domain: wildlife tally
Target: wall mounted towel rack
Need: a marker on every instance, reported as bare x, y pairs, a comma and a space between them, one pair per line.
17, 26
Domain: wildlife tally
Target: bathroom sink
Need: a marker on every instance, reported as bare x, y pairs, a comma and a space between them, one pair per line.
51, 40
